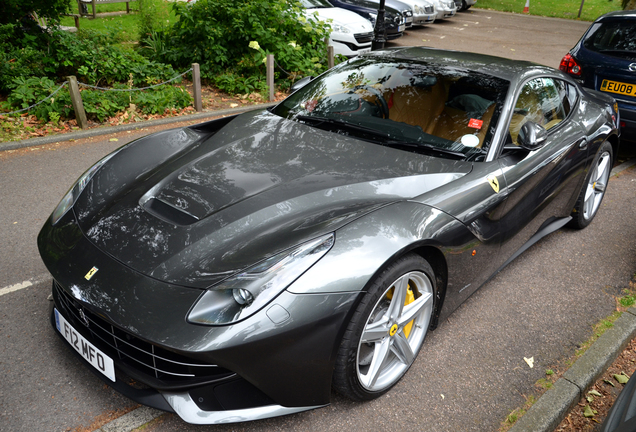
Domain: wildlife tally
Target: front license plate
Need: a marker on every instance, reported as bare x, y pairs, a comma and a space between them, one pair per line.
618, 87
91, 354
364, 50
401, 28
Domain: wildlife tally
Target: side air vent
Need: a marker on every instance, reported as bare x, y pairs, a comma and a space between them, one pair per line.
169, 213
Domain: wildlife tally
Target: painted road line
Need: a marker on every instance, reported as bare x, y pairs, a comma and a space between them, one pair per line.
132, 420
22, 285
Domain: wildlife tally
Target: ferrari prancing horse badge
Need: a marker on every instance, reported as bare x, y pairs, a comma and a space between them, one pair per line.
90, 273
494, 183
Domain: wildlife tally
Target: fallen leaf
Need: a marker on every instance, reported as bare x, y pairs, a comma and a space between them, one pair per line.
530, 361
595, 393
233, 105
442, 396
622, 378
588, 412
609, 382
113, 139
590, 399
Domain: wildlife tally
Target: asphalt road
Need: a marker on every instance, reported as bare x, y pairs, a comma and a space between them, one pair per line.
470, 372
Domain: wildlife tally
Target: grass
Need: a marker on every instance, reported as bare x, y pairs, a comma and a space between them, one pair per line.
592, 9
126, 25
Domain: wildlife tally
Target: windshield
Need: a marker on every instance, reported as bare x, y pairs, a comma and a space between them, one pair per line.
410, 105
614, 37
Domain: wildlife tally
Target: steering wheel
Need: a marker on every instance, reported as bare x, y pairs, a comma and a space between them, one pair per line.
380, 102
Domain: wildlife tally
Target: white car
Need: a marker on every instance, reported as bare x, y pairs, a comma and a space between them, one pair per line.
351, 34
423, 11
444, 8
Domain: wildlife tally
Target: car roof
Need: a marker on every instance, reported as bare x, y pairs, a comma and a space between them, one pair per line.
500, 67
622, 14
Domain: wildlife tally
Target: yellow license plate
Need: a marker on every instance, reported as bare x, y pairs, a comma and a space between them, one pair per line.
618, 87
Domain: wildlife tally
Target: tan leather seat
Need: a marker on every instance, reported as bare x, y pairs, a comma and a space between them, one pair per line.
417, 106
453, 124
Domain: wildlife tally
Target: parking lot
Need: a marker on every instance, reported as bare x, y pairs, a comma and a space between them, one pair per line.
470, 373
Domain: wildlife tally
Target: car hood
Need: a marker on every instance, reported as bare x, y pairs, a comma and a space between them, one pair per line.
343, 17
259, 185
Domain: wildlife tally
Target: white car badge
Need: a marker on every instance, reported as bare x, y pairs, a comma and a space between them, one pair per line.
632, 67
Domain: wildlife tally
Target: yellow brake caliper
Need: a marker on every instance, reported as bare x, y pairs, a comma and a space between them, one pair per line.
410, 298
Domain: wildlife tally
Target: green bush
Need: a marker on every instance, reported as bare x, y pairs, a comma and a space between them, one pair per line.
28, 91
230, 38
99, 105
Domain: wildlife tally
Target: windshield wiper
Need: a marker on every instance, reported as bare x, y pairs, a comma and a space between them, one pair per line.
317, 120
428, 148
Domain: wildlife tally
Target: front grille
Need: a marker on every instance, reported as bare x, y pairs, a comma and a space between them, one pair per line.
363, 37
142, 356
429, 9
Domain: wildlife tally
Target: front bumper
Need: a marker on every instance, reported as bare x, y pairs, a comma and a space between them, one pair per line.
261, 367
351, 45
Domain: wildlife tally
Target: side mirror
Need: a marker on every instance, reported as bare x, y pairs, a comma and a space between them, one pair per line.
532, 136
300, 83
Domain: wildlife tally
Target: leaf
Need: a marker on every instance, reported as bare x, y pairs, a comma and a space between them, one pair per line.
595, 393
622, 378
588, 412
113, 139
609, 382
590, 399
530, 361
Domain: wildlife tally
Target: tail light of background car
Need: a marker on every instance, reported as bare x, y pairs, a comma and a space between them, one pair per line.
569, 65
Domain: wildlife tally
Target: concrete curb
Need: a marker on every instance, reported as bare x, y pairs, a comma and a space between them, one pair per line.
551, 408
105, 130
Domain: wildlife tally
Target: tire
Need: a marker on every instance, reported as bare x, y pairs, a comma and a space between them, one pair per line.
593, 191
378, 349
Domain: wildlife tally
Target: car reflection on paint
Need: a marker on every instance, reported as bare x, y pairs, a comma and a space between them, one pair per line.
247, 266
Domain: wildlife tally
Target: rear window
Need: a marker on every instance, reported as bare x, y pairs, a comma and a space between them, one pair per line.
613, 37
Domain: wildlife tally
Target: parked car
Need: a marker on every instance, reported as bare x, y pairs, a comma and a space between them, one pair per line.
351, 34
423, 11
405, 9
393, 18
444, 8
238, 269
605, 59
463, 5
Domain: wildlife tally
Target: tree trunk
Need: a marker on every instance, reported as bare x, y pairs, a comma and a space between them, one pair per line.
630, 5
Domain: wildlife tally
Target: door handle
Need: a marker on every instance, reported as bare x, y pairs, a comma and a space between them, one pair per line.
583, 144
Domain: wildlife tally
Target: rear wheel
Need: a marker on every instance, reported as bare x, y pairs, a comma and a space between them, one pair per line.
387, 330
594, 188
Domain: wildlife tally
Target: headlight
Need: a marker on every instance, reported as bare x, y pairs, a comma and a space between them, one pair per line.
340, 28
372, 17
244, 294
71, 196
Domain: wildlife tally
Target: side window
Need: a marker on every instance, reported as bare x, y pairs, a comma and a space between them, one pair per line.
540, 101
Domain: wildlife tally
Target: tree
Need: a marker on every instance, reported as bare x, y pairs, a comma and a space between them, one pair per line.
629, 4
13, 11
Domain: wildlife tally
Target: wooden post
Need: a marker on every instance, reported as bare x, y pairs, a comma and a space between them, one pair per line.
581, 8
330, 55
76, 100
196, 84
270, 76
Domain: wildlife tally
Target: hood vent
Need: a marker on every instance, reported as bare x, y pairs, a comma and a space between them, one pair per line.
168, 212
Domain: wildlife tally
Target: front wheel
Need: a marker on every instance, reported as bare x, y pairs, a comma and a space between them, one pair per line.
387, 330
594, 188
